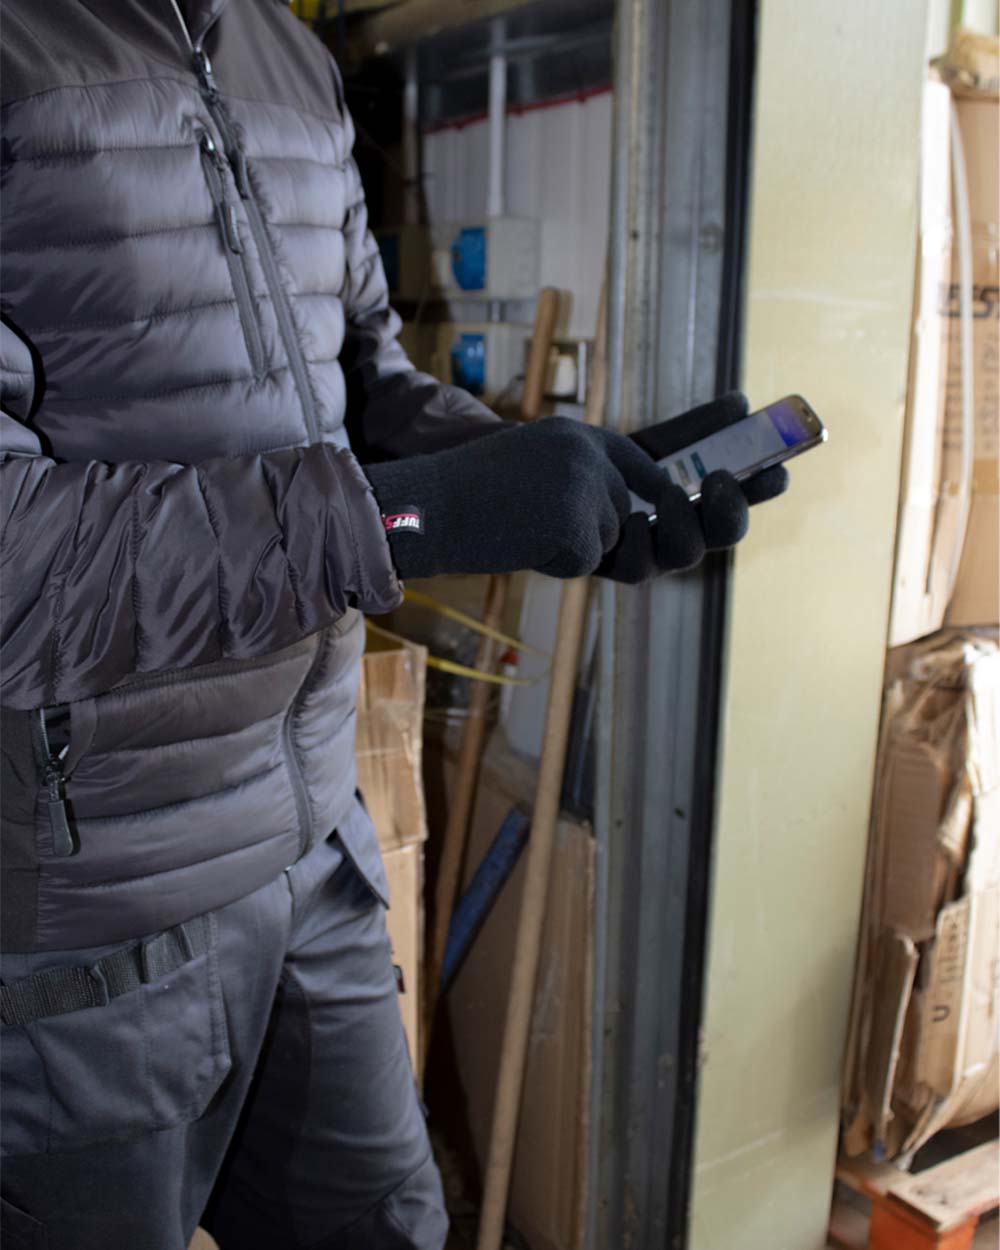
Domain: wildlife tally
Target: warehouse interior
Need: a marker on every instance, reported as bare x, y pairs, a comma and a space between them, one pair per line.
777, 833
695, 884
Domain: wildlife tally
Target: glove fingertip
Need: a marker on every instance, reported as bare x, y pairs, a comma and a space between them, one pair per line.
768, 484
677, 536
725, 513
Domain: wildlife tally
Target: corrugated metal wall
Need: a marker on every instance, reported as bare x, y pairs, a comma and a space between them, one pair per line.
558, 165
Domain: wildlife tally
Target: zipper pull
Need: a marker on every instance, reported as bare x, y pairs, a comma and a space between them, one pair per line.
54, 779
231, 227
207, 145
238, 161
225, 209
63, 843
203, 68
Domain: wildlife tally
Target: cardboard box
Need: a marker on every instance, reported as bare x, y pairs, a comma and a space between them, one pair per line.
921, 584
388, 749
549, 1179
924, 1045
404, 867
389, 742
975, 599
947, 559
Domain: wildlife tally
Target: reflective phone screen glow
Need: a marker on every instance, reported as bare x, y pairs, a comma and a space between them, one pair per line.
738, 448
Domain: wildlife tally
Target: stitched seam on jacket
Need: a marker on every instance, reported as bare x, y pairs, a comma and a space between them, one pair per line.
111, 239
134, 397
308, 160
336, 121
191, 676
57, 612
145, 80
125, 882
88, 821
183, 742
135, 543
293, 573
55, 154
224, 627
189, 311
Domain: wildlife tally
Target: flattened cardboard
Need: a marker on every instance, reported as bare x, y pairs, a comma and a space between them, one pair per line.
913, 874
976, 596
897, 965
923, 1048
389, 742
921, 585
404, 867
388, 749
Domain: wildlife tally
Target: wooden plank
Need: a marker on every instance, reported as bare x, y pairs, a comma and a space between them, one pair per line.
865, 1176
420, 19
946, 1195
894, 1227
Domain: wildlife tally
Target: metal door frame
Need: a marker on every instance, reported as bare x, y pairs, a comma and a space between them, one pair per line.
683, 71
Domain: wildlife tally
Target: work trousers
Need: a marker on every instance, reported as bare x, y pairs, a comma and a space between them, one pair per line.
247, 1071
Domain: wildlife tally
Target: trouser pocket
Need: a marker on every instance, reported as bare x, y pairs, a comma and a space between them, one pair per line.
112, 1048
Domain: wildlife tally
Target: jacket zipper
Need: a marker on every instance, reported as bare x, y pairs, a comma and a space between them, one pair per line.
238, 164
214, 166
296, 360
54, 781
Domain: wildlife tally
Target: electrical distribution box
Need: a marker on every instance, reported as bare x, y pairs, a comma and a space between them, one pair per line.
482, 357
496, 259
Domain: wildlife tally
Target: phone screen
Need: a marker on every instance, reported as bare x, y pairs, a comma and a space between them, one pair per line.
741, 447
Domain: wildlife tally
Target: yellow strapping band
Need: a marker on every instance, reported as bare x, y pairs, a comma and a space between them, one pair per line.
470, 622
463, 670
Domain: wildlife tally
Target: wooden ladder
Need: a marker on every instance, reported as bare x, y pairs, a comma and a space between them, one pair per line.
937, 1209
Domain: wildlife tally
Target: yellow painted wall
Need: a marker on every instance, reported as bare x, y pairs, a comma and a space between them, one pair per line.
830, 287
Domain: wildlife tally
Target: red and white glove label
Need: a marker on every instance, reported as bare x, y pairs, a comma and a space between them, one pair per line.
411, 521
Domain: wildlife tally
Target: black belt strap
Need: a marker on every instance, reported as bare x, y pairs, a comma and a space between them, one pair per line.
60, 990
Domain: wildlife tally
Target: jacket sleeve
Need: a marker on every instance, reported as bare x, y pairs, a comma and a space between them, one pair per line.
107, 570
393, 409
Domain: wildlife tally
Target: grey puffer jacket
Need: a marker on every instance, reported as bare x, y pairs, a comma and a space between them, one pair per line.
196, 333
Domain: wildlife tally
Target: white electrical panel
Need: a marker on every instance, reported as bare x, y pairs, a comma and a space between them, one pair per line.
496, 259
492, 259
482, 357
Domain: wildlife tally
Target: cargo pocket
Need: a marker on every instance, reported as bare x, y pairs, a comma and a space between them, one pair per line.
105, 1051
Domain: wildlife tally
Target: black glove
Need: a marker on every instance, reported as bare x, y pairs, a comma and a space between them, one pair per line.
684, 531
552, 496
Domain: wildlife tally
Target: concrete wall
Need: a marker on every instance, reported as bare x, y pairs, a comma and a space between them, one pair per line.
830, 286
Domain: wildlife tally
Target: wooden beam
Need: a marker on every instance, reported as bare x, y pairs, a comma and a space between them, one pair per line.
963, 1186
869, 1178
421, 19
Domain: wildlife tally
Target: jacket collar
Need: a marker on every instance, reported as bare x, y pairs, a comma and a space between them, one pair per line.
199, 16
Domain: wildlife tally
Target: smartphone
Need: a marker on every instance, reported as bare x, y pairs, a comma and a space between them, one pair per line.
769, 436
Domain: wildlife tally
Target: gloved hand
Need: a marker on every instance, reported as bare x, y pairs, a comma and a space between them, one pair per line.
552, 496
684, 531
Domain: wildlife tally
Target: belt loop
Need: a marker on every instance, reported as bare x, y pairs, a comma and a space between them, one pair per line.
100, 985
184, 939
